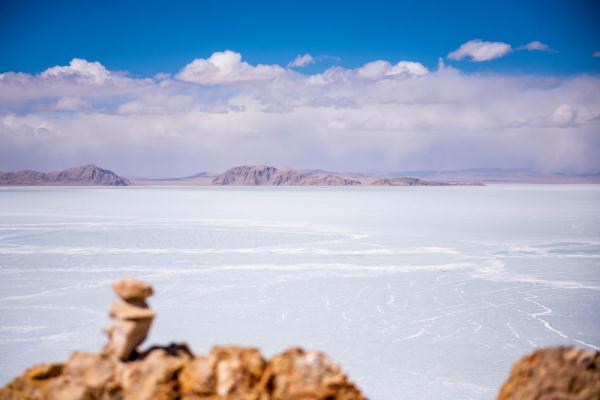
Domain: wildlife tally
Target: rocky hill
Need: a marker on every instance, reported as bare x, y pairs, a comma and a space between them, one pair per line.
78, 176
263, 175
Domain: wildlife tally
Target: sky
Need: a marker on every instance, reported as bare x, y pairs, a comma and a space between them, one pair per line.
174, 88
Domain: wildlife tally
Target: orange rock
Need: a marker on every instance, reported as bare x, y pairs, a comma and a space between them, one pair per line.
121, 372
153, 377
125, 336
123, 310
130, 289
554, 373
309, 375
228, 371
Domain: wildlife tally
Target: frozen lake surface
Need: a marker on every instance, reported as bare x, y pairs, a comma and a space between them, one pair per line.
419, 292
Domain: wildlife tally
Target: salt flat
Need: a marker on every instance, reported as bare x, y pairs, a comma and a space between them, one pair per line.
419, 292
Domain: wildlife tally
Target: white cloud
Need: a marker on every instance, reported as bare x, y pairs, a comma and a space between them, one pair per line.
80, 70
479, 50
596, 54
564, 116
381, 116
381, 69
226, 67
70, 104
302, 61
536, 46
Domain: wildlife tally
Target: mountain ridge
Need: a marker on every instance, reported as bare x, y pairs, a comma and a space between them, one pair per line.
86, 175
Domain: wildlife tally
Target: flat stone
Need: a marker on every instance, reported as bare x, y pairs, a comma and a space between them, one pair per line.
128, 311
130, 289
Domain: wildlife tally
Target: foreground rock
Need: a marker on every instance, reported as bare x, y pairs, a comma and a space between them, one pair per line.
554, 373
122, 371
90, 175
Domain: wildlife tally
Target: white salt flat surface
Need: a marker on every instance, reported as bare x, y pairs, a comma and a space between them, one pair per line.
419, 292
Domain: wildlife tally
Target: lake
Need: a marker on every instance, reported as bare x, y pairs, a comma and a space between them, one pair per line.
418, 292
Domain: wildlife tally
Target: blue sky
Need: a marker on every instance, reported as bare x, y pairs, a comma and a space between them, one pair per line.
145, 37
174, 88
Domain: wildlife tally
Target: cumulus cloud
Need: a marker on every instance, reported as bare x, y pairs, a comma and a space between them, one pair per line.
536, 46
380, 69
81, 71
226, 67
380, 116
302, 61
480, 50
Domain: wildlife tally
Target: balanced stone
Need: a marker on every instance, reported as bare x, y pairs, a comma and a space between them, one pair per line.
133, 318
132, 289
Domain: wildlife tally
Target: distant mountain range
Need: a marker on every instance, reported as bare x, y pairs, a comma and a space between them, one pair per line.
264, 175
87, 175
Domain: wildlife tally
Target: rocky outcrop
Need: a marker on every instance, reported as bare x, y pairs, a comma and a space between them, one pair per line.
554, 373
263, 175
86, 175
123, 372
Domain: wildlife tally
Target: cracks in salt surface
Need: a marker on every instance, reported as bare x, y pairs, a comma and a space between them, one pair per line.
416, 335
547, 311
513, 330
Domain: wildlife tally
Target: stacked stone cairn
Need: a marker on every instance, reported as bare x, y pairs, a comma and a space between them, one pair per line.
133, 318
122, 372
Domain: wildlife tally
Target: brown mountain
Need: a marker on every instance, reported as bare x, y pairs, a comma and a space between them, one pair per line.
87, 175
263, 175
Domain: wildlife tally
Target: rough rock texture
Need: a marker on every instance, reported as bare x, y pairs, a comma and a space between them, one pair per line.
86, 175
301, 374
262, 175
173, 372
554, 373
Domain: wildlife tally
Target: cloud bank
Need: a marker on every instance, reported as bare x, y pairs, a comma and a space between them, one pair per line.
222, 111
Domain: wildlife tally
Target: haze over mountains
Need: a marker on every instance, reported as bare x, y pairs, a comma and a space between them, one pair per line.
264, 175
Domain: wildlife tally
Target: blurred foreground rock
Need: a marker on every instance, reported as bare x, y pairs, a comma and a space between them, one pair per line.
121, 371
556, 373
